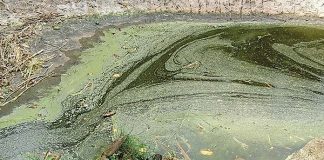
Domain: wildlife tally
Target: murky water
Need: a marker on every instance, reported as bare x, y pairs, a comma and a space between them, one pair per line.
220, 91
254, 92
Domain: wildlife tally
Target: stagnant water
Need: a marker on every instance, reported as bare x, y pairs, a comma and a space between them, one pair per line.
250, 92
220, 92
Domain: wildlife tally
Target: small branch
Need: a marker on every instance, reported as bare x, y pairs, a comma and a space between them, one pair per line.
183, 152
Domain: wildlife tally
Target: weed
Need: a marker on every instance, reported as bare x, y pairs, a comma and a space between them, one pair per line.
130, 148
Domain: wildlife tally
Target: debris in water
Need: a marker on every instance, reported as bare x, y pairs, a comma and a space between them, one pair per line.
206, 152
269, 141
193, 65
124, 4
109, 114
302, 139
113, 148
183, 152
269, 85
52, 156
243, 145
33, 106
117, 75
88, 85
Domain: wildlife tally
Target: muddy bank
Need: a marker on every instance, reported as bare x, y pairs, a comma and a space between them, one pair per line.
12, 12
202, 83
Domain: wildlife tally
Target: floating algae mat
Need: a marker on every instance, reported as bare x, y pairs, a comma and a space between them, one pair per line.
214, 91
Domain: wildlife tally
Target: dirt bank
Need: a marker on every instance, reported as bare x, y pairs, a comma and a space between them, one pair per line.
13, 11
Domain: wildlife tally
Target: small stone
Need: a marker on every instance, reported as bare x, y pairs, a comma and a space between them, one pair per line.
313, 150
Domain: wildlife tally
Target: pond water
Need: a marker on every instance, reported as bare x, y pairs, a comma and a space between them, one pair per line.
216, 90
254, 92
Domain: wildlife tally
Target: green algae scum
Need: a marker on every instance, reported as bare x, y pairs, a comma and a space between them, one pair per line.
215, 90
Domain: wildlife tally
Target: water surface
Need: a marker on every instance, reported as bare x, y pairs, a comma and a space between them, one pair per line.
254, 92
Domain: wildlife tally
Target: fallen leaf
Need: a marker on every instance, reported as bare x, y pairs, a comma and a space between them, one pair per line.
206, 152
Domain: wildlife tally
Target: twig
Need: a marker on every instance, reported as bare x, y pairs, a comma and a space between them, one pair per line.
46, 155
109, 114
243, 145
183, 152
22, 63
